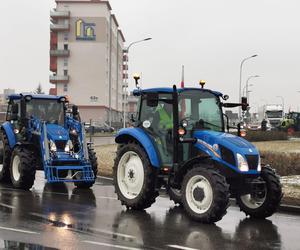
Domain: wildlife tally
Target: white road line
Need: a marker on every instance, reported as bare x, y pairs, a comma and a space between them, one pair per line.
105, 197
6, 205
113, 233
105, 178
182, 247
110, 245
18, 230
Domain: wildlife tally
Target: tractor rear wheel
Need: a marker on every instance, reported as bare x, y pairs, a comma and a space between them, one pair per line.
94, 163
175, 195
134, 177
5, 155
265, 201
205, 194
22, 168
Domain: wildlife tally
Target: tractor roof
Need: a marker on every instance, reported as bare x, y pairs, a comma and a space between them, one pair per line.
138, 92
34, 96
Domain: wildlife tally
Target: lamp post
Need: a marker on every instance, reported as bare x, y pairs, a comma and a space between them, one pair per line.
126, 79
282, 100
240, 85
247, 84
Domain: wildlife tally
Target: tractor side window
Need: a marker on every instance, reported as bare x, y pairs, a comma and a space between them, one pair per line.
9, 110
210, 112
158, 123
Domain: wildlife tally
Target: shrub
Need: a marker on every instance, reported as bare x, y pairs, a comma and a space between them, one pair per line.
284, 163
266, 136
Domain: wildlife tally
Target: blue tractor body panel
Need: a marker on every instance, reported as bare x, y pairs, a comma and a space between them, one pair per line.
10, 134
211, 142
144, 139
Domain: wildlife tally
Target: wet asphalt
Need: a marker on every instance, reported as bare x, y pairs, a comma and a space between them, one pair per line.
63, 217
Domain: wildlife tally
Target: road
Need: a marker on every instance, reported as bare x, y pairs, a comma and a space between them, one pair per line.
61, 217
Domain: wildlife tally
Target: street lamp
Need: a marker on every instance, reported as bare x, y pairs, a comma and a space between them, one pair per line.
245, 94
247, 84
282, 99
240, 85
126, 79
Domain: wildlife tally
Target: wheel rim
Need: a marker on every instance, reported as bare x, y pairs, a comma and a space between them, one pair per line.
252, 201
15, 168
1, 156
130, 175
199, 194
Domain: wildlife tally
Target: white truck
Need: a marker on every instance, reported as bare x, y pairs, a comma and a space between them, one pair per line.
273, 113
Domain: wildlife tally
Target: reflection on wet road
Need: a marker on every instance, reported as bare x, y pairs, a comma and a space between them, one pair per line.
63, 217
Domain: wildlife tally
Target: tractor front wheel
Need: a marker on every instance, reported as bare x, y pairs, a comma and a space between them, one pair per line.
94, 163
205, 194
264, 200
5, 155
134, 177
22, 168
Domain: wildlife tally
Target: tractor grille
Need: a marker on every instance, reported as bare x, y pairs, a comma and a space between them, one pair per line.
227, 155
60, 145
252, 161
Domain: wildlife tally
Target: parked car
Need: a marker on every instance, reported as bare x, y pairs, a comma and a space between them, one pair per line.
96, 128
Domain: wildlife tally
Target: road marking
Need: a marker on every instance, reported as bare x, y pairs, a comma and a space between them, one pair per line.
8, 206
18, 230
105, 178
113, 233
105, 197
182, 247
110, 245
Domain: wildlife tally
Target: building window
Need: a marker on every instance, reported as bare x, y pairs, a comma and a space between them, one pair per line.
66, 47
65, 62
94, 99
65, 72
66, 36
65, 87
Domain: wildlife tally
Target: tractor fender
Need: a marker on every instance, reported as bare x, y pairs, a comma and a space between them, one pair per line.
9, 133
142, 138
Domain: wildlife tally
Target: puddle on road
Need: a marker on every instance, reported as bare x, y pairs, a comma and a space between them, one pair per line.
9, 244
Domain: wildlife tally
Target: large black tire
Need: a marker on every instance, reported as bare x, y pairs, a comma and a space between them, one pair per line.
5, 155
22, 168
175, 195
148, 193
94, 163
208, 183
271, 200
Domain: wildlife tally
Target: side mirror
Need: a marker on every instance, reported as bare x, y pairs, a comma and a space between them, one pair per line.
244, 104
132, 117
14, 112
152, 99
74, 110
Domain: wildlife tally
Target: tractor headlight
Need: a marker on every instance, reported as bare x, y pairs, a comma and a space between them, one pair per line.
259, 164
242, 163
53, 147
68, 146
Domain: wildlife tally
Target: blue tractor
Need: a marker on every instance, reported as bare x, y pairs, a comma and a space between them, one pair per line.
181, 141
41, 132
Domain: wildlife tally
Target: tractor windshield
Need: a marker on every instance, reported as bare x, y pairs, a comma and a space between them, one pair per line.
50, 111
201, 108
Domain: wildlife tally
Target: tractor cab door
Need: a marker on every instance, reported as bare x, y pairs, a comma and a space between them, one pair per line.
156, 118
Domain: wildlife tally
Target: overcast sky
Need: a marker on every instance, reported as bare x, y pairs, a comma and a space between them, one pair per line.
209, 37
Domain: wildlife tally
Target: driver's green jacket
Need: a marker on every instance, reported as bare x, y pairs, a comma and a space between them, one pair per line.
166, 120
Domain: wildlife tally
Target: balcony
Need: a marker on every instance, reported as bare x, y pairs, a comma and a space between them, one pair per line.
60, 27
59, 14
59, 52
59, 79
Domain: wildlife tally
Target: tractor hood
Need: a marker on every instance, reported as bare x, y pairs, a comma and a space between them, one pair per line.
224, 146
57, 133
